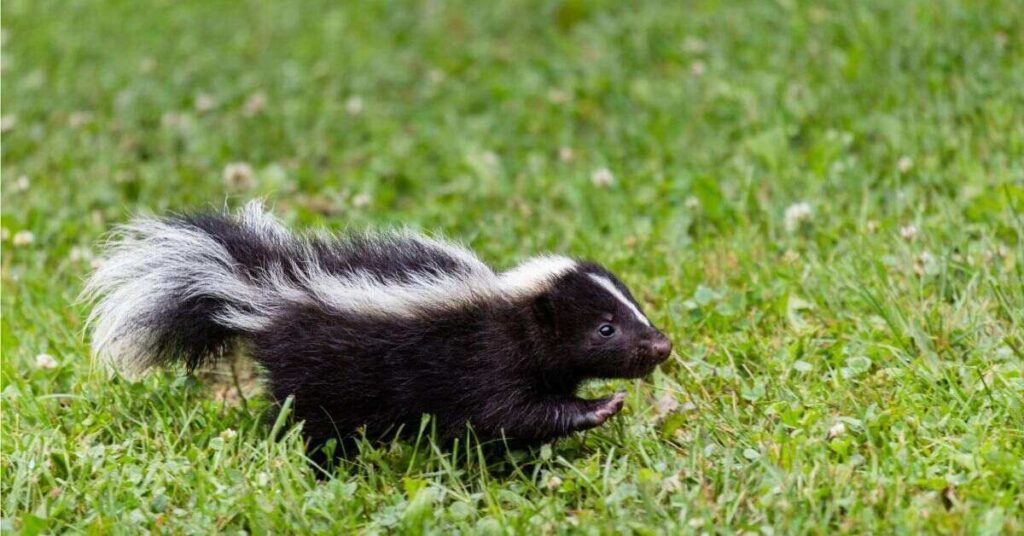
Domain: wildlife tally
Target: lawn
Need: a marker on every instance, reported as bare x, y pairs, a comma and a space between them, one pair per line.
821, 203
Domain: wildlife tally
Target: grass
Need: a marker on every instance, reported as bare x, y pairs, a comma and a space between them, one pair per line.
860, 370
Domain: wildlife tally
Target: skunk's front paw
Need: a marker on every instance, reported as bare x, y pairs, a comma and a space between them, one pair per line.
610, 407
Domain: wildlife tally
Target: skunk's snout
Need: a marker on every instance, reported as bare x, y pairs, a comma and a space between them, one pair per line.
658, 347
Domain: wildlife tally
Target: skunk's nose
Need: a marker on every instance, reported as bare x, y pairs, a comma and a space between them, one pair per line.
660, 347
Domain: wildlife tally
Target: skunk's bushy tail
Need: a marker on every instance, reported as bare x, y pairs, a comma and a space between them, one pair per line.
187, 288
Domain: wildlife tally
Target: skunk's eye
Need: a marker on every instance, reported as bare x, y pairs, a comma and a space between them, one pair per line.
606, 330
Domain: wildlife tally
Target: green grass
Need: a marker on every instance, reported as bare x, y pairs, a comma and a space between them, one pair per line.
845, 375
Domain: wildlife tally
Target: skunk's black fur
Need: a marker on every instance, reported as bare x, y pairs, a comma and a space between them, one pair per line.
373, 331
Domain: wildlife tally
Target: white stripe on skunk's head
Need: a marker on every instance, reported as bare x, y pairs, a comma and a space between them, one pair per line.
607, 284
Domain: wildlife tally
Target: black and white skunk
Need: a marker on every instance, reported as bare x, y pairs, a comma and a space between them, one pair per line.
371, 331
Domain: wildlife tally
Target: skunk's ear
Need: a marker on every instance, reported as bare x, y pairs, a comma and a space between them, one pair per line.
544, 311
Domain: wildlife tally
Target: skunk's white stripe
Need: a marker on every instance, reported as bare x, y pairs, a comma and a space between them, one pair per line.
535, 275
365, 293
610, 287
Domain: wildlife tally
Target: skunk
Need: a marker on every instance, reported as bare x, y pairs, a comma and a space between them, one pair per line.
370, 331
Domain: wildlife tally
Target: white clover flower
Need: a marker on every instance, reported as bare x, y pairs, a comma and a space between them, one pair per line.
671, 484
566, 154
908, 232
602, 177
23, 238
22, 183
361, 200
228, 434
904, 164
796, 214
665, 404
45, 361
205, 102
558, 96
239, 175
694, 45
354, 105
926, 264
8, 122
256, 103
173, 120
836, 430
554, 482
79, 119
489, 158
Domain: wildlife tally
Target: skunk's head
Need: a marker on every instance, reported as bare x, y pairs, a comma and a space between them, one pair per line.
595, 326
